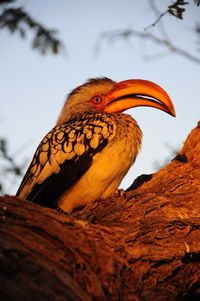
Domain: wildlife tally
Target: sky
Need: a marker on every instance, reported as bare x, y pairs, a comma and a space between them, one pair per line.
34, 87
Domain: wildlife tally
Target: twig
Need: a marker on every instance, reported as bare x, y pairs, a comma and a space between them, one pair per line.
159, 16
111, 36
11, 167
157, 20
18, 20
176, 9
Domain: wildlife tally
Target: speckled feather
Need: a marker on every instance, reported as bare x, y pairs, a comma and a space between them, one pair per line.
64, 154
87, 153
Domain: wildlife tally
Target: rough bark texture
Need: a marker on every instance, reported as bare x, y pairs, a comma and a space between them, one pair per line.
142, 246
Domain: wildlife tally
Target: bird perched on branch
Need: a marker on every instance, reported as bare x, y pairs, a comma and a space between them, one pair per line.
93, 144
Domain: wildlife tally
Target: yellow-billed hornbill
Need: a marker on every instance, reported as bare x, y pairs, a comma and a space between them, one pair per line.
93, 144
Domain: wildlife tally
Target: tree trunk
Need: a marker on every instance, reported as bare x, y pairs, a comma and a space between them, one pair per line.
144, 245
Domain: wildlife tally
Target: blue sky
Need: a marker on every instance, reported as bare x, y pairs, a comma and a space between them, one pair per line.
33, 87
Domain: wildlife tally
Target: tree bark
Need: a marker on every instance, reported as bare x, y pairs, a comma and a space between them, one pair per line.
144, 245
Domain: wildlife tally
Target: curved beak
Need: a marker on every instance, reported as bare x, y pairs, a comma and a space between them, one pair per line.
135, 93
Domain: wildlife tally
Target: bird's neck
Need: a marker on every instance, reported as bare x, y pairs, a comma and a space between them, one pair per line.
126, 126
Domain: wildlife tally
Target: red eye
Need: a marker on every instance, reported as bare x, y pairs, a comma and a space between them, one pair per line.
97, 99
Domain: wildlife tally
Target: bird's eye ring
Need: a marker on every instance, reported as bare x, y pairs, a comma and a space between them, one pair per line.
97, 99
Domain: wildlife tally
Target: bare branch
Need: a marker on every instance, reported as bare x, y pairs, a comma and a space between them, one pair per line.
112, 36
159, 16
157, 13
161, 26
8, 165
157, 20
174, 9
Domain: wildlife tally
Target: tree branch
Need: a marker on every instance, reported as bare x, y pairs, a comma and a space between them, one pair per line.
112, 36
8, 166
176, 9
16, 19
158, 15
143, 246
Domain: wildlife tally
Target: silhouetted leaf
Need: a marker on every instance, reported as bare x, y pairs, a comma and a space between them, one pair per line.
6, 1
197, 2
44, 40
176, 8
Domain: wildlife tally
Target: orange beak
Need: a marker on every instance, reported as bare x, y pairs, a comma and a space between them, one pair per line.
135, 93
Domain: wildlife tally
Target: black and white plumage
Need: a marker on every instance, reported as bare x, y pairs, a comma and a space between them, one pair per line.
86, 155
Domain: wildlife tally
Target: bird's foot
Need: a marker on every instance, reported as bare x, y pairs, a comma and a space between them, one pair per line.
120, 193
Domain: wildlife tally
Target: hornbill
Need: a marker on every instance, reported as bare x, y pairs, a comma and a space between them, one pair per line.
93, 144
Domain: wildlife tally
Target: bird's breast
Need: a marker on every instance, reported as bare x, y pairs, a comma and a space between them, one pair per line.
125, 145
108, 167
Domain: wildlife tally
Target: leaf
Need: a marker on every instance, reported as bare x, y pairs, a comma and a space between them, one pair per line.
176, 8
6, 1
197, 2
17, 20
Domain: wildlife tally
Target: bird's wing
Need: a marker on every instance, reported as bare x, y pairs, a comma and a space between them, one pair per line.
63, 156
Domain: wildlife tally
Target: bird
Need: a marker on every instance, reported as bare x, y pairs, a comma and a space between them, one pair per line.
92, 145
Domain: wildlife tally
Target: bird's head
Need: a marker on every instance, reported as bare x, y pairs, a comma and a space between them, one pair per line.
105, 95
